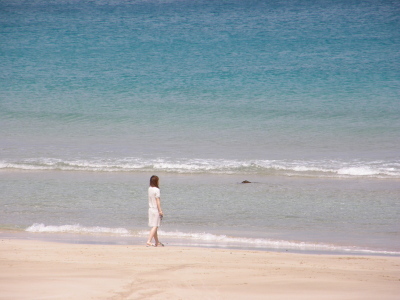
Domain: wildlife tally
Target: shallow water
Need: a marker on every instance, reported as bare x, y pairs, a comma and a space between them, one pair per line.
310, 214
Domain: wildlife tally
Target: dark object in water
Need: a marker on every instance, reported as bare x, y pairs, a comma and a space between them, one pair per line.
246, 181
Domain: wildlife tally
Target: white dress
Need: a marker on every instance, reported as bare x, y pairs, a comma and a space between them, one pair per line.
154, 216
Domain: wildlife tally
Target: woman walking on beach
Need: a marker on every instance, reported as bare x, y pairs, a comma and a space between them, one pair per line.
155, 211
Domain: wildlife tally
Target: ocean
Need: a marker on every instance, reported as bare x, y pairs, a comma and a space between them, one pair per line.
301, 98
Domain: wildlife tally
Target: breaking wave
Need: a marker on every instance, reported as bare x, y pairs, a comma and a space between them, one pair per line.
77, 229
315, 168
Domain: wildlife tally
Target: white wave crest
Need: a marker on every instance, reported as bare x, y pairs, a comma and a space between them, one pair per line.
316, 168
358, 171
77, 229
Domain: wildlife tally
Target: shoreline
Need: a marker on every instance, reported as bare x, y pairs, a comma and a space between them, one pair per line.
91, 271
113, 240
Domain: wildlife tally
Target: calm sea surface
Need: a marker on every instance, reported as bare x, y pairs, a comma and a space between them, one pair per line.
302, 98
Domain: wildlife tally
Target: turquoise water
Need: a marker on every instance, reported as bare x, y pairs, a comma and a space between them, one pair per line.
300, 97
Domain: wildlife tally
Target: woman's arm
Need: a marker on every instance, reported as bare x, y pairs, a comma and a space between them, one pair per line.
158, 200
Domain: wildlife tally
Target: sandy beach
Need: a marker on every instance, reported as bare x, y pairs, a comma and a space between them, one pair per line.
47, 270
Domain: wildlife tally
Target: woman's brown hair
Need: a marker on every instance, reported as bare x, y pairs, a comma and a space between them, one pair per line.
154, 181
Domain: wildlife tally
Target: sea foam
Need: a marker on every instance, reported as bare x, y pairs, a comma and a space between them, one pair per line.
76, 229
314, 168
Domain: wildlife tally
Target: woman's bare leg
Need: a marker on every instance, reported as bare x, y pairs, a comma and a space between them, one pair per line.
156, 241
153, 234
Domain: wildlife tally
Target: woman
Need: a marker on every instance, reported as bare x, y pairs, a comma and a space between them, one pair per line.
155, 211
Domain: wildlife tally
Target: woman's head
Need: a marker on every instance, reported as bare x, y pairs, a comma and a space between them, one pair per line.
154, 181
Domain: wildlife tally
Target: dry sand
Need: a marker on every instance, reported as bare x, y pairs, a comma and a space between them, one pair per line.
45, 270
